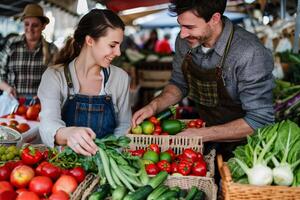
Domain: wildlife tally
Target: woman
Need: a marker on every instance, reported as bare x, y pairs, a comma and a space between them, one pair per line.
84, 96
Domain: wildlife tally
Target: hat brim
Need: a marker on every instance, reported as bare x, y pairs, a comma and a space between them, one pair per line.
22, 17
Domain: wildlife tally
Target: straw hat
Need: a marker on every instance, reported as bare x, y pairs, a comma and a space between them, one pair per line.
34, 10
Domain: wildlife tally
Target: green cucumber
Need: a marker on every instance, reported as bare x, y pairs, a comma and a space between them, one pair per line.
191, 194
166, 114
119, 193
168, 195
200, 195
157, 192
182, 193
101, 193
158, 179
140, 193
172, 126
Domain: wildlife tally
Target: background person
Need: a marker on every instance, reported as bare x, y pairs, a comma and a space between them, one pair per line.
24, 58
84, 96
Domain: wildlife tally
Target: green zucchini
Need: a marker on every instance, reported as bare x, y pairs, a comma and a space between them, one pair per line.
119, 193
200, 195
168, 195
158, 179
191, 194
172, 126
157, 192
140, 193
101, 193
166, 114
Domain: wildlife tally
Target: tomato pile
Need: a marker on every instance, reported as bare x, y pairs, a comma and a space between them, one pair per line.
34, 177
14, 124
187, 163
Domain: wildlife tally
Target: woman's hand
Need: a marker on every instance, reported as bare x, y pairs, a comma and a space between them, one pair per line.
80, 139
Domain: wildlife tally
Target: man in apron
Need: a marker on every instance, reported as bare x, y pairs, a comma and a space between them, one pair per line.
224, 69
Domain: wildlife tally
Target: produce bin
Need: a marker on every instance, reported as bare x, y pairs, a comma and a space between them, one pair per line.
236, 191
205, 184
177, 143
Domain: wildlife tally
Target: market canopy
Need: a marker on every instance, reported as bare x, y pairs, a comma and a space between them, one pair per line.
163, 19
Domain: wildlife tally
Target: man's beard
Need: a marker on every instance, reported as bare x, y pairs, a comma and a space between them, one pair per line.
200, 40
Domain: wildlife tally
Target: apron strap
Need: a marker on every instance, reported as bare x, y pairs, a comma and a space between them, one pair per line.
106, 72
227, 48
68, 77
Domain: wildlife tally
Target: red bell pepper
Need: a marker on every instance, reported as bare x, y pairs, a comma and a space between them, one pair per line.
31, 156
49, 170
199, 168
174, 167
164, 165
138, 152
152, 169
190, 154
184, 168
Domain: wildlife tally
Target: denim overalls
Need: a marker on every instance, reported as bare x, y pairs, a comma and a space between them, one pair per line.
95, 112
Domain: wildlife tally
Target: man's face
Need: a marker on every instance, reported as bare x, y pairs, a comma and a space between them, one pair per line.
194, 29
33, 28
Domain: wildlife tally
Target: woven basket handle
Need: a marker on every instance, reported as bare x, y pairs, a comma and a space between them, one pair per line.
223, 169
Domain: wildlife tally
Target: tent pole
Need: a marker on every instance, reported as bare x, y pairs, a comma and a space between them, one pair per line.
297, 31
282, 9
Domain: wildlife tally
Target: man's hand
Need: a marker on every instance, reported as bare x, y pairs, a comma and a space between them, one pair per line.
139, 116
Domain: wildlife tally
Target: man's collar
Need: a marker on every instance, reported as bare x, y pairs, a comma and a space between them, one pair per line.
222, 41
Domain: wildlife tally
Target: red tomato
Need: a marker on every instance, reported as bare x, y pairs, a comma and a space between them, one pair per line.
152, 169
158, 129
66, 183
13, 122
23, 127
41, 185
60, 195
191, 124
172, 153
78, 173
8, 195
26, 195
32, 113
199, 123
5, 186
154, 147
21, 110
3, 123
4, 173
154, 120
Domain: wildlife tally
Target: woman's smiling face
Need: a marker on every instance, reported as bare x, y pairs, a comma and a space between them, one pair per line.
106, 48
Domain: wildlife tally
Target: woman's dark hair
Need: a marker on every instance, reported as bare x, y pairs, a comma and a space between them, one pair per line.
95, 24
202, 8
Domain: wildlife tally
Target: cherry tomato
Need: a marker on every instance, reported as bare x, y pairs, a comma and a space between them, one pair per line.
158, 129
154, 120
199, 123
191, 124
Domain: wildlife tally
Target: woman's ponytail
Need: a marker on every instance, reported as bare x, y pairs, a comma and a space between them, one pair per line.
70, 51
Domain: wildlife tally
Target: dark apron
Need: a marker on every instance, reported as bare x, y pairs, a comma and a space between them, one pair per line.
95, 112
207, 89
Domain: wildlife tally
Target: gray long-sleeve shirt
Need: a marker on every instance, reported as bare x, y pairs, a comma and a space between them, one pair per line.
247, 72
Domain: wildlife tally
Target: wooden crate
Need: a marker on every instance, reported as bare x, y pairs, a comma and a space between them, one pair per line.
237, 191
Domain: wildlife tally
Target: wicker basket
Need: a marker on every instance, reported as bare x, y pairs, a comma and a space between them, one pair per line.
177, 143
205, 184
236, 191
